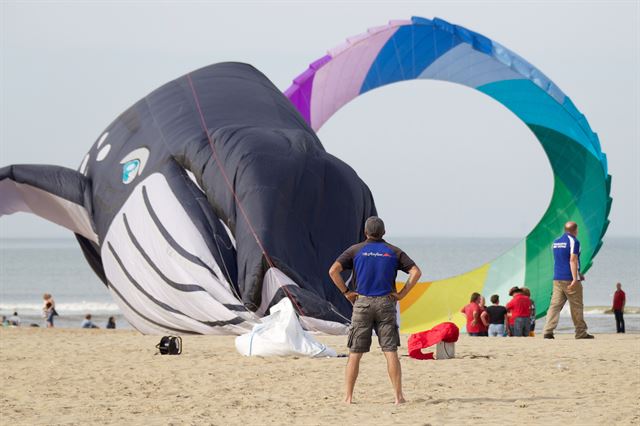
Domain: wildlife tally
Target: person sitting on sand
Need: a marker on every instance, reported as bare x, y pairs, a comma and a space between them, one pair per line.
14, 319
520, 309
111, 323
497, 317
375, 264
87, 323
472, 312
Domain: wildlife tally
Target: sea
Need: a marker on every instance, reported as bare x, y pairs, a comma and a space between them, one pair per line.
31, 267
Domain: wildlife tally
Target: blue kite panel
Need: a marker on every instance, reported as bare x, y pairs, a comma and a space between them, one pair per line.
407, 53
533, 106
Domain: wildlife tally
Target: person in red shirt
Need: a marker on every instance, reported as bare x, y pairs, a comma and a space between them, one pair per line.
511, 318
619, 300
472, 312
520, 309
484, 318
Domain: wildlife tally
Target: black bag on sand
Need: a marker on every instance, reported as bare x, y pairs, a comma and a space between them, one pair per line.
170, 345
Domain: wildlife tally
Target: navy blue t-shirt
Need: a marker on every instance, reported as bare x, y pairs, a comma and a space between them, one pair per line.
563, 248
375, 264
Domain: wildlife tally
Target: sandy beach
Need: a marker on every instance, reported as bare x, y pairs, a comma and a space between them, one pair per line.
66, 376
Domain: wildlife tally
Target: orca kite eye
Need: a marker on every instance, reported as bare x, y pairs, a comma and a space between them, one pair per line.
133, 164
129, 170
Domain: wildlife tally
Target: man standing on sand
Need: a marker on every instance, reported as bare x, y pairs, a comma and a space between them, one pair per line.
619, 300
374, 263
567, 283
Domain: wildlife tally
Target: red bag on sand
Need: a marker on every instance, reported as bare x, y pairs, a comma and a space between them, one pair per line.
444, 332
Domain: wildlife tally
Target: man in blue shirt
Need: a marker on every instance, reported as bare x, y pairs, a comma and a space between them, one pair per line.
567, 283
374, 263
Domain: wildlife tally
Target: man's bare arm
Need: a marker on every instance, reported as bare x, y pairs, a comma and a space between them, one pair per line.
334, 273
575, 274
414, 275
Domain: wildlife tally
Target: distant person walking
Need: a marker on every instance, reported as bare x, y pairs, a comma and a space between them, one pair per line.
567, 283
497, 317
520, 309
472, 312
374, 263
48, 309
619, 301
47, 314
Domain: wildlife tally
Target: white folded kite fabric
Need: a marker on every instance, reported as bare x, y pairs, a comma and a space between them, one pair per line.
280, 334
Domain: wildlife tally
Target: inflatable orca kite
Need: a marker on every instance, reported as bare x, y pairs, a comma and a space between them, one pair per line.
211, 199
204, 204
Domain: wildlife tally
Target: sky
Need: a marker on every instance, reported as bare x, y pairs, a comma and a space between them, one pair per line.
440, 159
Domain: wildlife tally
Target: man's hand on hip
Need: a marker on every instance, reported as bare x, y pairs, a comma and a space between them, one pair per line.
573, 284
351, 296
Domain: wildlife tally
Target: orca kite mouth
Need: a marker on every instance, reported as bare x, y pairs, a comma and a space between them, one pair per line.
167, 273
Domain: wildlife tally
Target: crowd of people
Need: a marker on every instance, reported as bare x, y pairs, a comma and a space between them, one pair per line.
48, 315
517, 318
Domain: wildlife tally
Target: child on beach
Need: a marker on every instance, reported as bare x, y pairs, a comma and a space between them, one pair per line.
111, 323
87, 323
14, 320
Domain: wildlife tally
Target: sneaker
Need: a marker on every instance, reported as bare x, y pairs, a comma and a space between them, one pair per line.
549, 336
586, 336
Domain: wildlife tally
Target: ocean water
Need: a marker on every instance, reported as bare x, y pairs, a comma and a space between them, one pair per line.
31, 267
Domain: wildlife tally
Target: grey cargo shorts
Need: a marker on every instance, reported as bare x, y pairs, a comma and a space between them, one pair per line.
374, 313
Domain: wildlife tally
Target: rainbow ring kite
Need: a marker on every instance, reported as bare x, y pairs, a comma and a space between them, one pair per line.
435, 49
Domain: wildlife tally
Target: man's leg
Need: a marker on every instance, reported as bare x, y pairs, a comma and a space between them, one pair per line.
351, 374
358, 343
558, 299
517, 327
526, 327
619, 320
395, 374
389, 339
577, 310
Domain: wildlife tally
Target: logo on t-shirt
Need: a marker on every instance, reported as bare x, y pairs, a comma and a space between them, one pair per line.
374, 254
